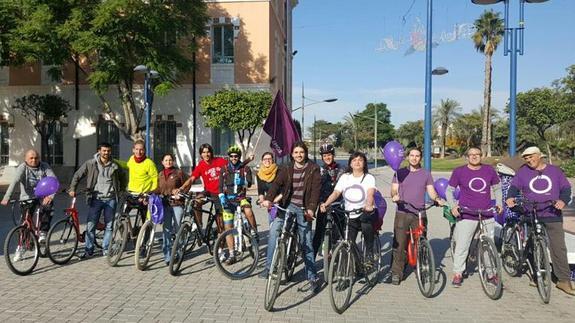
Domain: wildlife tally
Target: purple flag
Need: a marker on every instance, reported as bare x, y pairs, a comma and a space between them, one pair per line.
279, 125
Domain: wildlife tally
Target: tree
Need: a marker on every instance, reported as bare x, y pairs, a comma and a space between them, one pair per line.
106, 40
325, 130
365, 127
466, 130
42, 111
443, 116
542, 109
489, 29
240, 111
410, 134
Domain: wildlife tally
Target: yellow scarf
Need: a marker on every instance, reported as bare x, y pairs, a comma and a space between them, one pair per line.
268, 174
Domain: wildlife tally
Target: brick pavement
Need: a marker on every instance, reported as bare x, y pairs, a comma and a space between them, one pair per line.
92, 291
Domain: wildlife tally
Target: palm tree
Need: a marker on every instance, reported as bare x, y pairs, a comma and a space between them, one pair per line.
489, 29
443, 116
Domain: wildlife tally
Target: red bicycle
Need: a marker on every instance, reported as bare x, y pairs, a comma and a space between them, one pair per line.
419, 252
63, 237
21, 247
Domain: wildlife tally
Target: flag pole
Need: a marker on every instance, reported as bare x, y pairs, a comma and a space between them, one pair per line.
257, 141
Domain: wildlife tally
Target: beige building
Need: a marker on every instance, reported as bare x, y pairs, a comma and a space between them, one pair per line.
248, 47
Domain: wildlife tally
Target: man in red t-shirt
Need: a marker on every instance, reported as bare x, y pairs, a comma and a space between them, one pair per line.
208, 170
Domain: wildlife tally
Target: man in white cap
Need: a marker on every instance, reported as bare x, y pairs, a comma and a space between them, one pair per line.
540, 182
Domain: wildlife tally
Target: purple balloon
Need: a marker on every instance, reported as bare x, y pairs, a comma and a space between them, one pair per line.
393, 154
46, 186
456, 193
381, 206
440, 186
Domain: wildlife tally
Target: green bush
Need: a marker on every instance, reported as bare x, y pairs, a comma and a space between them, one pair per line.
569, 167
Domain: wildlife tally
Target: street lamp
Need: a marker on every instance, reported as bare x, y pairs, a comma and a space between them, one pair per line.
303, 105
512, 36
148, 98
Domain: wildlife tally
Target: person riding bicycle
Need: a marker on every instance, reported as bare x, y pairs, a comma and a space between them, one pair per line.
299, 185
104, 183
28, 174
357, 187
143, 176
538, 181
235, 179
479, 185
409, 185
330, 172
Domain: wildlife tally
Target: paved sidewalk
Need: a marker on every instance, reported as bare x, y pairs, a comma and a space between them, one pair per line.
92, 291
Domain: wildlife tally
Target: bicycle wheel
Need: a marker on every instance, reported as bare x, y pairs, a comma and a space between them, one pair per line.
542, 269
425, 268
16, 215
511, 251
118, 241
489, 265
275, 275
21, 250
373, 268
185, 242
62, 241
291, 260
144, 245
245, 256
341, 277
211, 234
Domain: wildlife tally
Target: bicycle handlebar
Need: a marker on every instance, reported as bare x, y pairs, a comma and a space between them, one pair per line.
424, 208
492, 209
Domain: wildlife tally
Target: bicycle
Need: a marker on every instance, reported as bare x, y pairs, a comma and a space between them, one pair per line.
346, 261
63, 237
488, 260
525, 245
21, 247
334, 231
245, 247
419, 252
191, 233
123, 230
284, 257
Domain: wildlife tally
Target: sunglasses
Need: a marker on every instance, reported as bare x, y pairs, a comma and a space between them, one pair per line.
234, 156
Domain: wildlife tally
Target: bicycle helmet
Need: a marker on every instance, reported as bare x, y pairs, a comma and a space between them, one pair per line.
234, 150
326, 149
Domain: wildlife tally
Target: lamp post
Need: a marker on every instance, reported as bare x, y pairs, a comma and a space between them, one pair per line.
513, 44
303, 105
148, 98
427, 117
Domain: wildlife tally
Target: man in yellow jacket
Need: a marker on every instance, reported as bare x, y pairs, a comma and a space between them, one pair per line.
143, 174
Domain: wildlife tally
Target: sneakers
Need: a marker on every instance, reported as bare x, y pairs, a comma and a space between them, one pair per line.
312, 286
457, 279
494, 280
263, 274
86, 255
395, 280
42, 237
19, 254
231, 260
223, 255
566, 287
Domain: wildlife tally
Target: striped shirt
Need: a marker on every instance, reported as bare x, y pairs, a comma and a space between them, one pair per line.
297, 185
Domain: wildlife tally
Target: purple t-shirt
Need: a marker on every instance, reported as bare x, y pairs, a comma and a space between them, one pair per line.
541, 186
475, 188
412, 188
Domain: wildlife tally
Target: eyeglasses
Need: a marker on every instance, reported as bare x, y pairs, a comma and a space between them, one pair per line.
234, 156
473, 155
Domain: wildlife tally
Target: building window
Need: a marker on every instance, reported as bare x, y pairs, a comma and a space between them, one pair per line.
109, 133
222, 139
164, 138
4, 143
53, 143
223, 44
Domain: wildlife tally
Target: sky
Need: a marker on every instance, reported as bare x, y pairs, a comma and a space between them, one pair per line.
339, 55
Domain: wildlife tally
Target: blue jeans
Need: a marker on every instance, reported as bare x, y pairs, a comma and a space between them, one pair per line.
96, 207
304, 234
172, 219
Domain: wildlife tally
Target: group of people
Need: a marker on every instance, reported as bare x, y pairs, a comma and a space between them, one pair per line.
307, 190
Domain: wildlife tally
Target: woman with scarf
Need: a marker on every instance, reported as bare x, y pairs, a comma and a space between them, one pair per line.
169, 179
265, 177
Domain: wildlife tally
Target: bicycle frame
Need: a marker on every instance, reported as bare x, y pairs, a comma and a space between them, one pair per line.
72, 212
530, 229
415, 233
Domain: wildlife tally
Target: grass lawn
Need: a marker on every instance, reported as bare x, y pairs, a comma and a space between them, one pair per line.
448, 164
